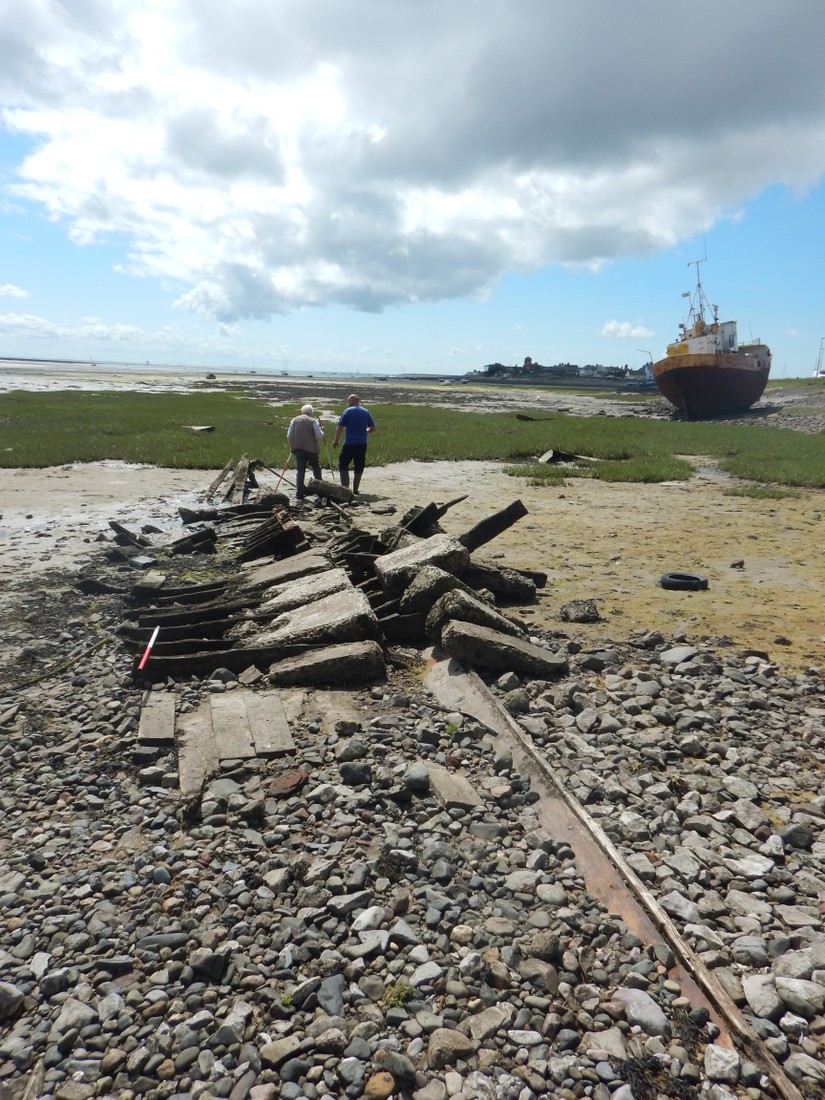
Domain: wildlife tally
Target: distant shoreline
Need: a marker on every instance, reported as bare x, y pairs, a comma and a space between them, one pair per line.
43, 374
23, 363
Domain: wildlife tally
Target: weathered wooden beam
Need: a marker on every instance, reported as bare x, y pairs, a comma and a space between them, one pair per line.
261, 507
233, 737
489, 528
221, 476
199, 613
157, 720
125, 537
423, 520
425, 517
202, 663
140, 635
193, 594
280, 536
269, 724
236, 487
199, 542
197, 751
328, 490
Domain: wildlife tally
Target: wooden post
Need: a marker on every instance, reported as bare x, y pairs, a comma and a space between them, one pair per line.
487, 529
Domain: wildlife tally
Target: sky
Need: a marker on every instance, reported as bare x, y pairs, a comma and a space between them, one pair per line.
395, 186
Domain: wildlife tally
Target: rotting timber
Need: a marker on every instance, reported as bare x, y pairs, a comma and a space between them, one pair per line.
247, 618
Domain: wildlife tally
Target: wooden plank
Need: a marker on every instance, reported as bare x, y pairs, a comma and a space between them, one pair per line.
213, 487
197, 751
152, 581
157, 720
239, 480
231, 725
268, 724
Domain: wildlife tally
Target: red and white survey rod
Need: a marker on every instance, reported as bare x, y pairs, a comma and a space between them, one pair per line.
148, 649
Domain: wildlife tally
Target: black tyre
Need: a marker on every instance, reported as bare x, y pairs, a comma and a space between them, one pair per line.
683, 582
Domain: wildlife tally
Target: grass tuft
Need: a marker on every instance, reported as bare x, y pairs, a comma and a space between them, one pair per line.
761, 492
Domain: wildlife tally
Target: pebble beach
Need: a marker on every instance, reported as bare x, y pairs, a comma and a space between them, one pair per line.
329, 929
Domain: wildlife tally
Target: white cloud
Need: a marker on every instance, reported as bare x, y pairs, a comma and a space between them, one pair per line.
91, 332
9, 290
625, 330
265, 158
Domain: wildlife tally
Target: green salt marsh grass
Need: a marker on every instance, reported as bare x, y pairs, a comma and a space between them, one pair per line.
39, 430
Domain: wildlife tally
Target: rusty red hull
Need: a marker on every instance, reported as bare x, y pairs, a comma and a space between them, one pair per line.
701, 386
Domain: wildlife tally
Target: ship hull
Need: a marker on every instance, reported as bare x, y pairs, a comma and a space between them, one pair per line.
712, 384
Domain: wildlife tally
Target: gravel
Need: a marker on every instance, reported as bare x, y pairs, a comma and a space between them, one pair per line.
346, 935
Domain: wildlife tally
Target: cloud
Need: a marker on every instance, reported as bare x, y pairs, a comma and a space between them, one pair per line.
624, 330
265, 159
94, 333
9, 290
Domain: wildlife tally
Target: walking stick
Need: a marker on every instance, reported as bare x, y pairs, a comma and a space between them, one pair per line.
329, 459
280, 479
281, 475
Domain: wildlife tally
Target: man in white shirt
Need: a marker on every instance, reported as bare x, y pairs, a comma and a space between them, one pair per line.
305, 436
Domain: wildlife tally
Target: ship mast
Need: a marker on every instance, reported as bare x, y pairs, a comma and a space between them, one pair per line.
698, 300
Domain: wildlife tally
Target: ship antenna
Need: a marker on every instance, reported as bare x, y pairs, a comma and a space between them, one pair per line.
699, 294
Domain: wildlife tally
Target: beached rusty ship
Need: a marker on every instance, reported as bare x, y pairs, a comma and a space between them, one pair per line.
706, 371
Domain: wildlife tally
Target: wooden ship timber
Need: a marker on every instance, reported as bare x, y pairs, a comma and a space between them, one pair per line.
706, 371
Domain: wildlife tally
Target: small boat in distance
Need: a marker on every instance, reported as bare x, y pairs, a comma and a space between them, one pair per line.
706, 371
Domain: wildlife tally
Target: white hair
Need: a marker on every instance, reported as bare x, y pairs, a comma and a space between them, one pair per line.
307, 410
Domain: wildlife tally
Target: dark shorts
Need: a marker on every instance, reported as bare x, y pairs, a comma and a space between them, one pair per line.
356, 453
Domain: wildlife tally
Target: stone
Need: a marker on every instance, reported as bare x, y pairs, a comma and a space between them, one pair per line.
805, 998
278, 1051
484, 1025
11, 998
479, 646
466, 608
417, 777
347, 664
428, 584
73, 1014
762, 996
721, 1064
379, 1086
447, 1046
397, 569
641, 1009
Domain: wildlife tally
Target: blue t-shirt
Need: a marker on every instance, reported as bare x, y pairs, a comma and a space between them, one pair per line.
356, 419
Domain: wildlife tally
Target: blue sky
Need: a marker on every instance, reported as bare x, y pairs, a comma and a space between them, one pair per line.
394, 187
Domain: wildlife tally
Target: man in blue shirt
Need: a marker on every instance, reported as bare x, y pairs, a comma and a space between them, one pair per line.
358, 423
